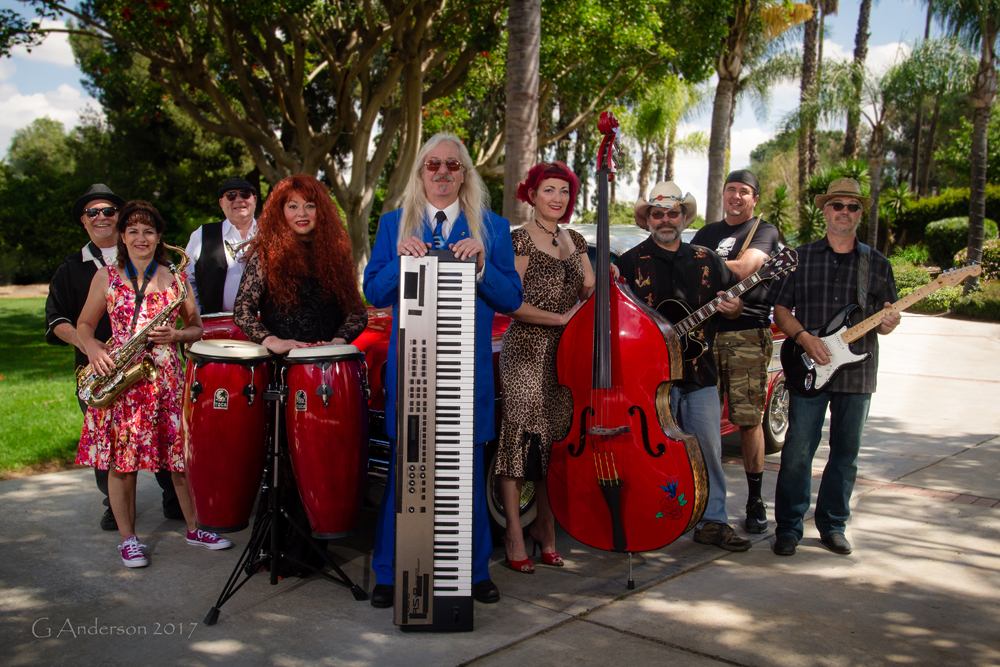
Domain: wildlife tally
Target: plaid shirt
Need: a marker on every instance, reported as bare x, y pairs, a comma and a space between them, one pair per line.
822, 285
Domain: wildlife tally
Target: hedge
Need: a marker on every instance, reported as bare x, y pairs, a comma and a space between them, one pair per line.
909, 277
991, 259
912, 222
982, 304
946, 237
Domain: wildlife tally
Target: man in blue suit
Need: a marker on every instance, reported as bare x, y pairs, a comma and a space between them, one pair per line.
444, 206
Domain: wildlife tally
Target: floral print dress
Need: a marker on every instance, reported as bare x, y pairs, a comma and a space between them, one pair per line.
141, 429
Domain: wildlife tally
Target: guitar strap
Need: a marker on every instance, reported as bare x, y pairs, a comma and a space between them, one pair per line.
864, 274
749, 238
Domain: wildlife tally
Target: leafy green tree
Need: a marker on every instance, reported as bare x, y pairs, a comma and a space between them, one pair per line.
955, 154
977, 23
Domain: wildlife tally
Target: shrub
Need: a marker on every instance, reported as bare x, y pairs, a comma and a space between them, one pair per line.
910, 225
991, 259
915, 254
948, 236
909, 276
983, 303
935, 302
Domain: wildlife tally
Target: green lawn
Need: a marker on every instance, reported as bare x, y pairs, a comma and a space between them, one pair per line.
40, 419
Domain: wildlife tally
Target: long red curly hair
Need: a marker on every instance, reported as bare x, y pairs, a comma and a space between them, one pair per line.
329, 263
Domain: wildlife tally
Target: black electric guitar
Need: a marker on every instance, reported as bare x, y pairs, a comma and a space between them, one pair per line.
685, 321
809, 378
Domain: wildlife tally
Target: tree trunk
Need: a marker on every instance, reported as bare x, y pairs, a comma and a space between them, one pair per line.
580, 158
917, 136
717, 148
807, 91
860, 54
645, 166
813, 140
875, 168
929, 148
524, 30
668, 167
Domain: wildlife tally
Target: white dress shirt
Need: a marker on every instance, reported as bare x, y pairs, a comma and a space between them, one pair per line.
235, 269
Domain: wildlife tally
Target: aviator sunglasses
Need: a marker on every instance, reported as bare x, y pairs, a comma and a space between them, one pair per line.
839, 206
434, 164
244, 194
671, 213
108, 211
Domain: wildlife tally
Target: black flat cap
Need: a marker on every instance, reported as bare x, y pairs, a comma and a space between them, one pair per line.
96, 191
236, 184
746, 177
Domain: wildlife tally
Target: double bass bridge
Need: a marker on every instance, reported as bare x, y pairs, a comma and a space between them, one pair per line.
605, 431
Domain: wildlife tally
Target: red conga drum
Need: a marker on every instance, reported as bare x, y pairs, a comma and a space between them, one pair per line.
223, 423
327, 423
220, 326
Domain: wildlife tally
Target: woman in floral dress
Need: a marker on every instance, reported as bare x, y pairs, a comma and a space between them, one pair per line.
557, 276
141, 428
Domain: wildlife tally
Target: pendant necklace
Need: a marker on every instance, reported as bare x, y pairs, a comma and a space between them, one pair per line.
552, 234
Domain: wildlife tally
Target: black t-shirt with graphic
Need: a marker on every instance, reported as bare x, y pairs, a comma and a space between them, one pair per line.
727, 241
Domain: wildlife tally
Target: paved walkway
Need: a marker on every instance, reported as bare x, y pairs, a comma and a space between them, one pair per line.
921, 588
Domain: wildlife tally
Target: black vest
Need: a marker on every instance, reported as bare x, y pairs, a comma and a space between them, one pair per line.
210, 269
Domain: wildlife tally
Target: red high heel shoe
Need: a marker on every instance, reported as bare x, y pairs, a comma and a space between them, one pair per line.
552, 558
524, 566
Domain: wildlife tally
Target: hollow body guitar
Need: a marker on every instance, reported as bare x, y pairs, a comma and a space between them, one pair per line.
809, 379
686, 321
625, 477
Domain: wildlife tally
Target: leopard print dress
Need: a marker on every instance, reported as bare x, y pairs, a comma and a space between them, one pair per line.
535, 411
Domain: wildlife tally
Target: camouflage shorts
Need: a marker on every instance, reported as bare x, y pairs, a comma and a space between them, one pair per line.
742, 358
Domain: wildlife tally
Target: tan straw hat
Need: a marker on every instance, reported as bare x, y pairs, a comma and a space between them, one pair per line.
843, 187
665, 194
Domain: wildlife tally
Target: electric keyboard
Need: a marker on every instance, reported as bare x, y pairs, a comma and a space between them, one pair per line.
434, 442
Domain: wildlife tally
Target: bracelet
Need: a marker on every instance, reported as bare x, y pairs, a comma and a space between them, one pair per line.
796, 336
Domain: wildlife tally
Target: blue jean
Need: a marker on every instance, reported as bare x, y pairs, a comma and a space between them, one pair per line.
384, 552
699, 412
848, 413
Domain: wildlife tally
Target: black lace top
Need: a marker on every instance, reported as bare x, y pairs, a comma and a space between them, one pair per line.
314, 319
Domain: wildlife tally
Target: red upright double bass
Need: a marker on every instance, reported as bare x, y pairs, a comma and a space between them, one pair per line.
625, 477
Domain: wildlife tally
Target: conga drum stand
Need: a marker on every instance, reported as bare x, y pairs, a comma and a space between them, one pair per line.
256, 552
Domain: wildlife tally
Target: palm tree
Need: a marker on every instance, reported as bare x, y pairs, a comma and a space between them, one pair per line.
977, 23
524, 30
860, 54
807, 95
826, 7
750, 20
654, 121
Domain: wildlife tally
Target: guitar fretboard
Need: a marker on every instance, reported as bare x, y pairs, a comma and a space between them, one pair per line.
710, 308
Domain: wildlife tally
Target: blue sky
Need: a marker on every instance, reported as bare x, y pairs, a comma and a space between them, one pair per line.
46, 82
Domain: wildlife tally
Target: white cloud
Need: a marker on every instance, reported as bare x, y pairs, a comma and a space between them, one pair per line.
64, 104
55, 49
7, 69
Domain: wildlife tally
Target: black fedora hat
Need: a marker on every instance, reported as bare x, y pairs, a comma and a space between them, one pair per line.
96, 191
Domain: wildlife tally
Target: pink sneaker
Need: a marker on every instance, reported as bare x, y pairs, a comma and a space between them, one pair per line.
132, 554
200, 538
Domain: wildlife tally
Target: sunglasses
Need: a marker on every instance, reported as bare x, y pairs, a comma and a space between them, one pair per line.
244, 194
672, 213
839, 206
108, 211
434, 164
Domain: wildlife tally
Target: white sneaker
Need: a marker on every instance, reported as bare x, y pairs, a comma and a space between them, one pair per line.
200, 538
132, 554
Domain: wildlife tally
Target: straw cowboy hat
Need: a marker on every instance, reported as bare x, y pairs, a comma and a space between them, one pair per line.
665, 195
843, 187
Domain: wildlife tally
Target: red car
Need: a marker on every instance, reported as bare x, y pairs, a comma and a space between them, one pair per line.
375, 340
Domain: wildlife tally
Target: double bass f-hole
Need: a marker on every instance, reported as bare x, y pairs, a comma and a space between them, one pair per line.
586, 412
661, 449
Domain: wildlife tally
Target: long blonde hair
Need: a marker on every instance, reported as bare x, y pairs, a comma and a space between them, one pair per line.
473, 196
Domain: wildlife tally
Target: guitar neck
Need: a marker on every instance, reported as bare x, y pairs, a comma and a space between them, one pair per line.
695, 319
861, 328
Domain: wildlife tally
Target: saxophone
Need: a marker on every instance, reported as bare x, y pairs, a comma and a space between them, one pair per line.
130, 360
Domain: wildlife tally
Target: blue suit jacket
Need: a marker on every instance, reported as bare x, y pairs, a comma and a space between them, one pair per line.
500, 291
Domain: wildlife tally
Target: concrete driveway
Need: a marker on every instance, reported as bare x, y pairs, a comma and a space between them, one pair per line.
921, 588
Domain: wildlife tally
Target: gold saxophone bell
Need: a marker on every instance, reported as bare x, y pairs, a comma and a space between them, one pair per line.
130, 361
235, 248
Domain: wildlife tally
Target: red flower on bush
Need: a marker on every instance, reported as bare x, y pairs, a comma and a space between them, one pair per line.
159, 5
127, 13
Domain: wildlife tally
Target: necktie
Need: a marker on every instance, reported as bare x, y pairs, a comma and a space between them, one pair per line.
438, 237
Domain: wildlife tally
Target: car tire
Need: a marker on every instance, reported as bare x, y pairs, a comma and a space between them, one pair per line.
498, 521
776, 418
